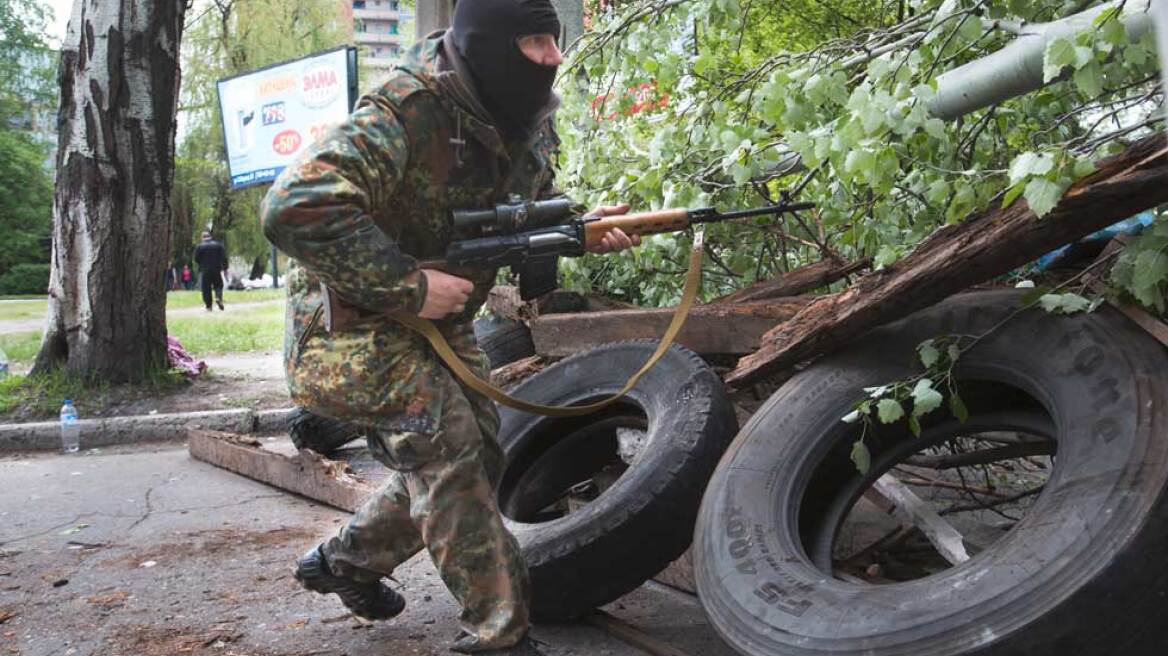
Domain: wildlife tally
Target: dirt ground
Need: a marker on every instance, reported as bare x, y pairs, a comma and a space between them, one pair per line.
234, 380
146, 552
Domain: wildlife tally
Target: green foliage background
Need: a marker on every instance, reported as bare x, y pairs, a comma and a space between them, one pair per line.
225, 39
752, 83
27, 97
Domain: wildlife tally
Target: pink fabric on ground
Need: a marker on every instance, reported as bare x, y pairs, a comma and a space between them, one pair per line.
181, 360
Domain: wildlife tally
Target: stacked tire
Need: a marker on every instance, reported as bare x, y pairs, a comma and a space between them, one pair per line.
642, 521
1083, 572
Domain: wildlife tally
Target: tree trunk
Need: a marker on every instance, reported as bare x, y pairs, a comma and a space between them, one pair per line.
571, 13
430, 15
119, 77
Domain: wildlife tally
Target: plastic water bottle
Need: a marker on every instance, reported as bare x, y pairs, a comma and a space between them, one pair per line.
70, 428
3, 365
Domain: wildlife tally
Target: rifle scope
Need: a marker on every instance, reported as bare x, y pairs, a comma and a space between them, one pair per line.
513, 217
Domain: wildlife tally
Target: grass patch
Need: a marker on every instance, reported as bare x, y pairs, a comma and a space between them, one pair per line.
261, 329
21, 347
235, 331
35, 307
23, 310
194, 299
24, 398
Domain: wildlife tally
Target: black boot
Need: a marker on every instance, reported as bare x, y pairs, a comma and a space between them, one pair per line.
468, 644
371, 601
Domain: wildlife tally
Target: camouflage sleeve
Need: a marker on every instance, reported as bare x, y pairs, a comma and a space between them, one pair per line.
319, 211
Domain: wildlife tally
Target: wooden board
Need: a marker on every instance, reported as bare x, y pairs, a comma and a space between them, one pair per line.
800, 281
714, 329
306, 473
343, 483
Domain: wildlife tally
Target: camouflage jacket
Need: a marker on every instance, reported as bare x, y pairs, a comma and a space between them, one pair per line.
357, 211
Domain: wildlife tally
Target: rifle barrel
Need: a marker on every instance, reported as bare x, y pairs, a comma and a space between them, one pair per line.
761, 211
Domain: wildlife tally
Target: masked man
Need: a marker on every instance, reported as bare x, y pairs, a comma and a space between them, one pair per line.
464, 123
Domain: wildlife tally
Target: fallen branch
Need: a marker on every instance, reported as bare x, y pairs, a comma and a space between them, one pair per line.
957, 257
991, 504
800, 281
983, 456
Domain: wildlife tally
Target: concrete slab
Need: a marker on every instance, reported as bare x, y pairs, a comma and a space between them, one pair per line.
147, 552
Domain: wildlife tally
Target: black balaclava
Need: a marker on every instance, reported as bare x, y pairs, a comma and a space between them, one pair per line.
512, 87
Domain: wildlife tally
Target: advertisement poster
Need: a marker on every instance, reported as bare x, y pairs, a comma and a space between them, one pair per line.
272, 114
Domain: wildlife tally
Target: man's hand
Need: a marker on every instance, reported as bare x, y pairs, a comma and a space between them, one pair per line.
445, 294
615, 239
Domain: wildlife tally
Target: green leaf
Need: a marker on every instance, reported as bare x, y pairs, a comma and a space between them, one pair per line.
1084, 168
1089, 80
861, 457
1064, 303
935, 127
925, 398
957, 407
1151, 269
890, 411
1059, 54
954, 353
914, 425
1043, 195
929, 354
1030, 164
971, 28
1012, 195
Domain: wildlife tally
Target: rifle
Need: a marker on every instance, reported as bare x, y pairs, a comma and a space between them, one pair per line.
530, 237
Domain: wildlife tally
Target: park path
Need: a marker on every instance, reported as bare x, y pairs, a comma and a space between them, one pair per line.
29, 325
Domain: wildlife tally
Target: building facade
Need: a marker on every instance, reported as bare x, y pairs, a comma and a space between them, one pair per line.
380, 33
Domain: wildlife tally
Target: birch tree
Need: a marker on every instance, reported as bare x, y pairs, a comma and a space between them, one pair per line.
912, 116
119, 79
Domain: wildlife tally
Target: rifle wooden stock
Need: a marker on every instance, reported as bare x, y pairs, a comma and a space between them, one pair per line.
643, 223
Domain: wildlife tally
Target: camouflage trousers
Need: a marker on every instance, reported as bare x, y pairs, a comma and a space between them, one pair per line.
441, 497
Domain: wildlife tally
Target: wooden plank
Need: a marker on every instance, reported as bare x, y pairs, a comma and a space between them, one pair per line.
632, 635
504, 301
306, 473
947, 540
1152, 325
800, 281
720, 328
957, 257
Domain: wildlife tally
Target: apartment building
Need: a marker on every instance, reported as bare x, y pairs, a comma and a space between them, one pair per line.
380, 31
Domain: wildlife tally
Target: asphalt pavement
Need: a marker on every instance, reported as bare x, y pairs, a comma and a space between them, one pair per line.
143, 551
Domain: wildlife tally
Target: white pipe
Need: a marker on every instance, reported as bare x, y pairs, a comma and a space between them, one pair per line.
1160, 15
1017, 69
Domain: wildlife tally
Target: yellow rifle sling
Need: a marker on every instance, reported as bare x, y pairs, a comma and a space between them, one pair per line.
427, 329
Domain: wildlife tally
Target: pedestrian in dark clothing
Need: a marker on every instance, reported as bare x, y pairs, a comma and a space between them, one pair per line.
212, 261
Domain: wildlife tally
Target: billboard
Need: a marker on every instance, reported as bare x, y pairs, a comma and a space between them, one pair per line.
271, 114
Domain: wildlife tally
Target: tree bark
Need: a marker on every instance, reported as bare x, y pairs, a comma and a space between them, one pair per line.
956, 257
800, 281
119, 77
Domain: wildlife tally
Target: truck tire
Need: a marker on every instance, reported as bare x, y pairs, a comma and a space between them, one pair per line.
325, 436
503, 340
1082, 572
643, 520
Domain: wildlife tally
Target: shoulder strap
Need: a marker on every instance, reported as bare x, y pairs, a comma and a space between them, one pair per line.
427, 329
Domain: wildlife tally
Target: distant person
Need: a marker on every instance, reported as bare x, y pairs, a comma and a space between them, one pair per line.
186, 278
212, 261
